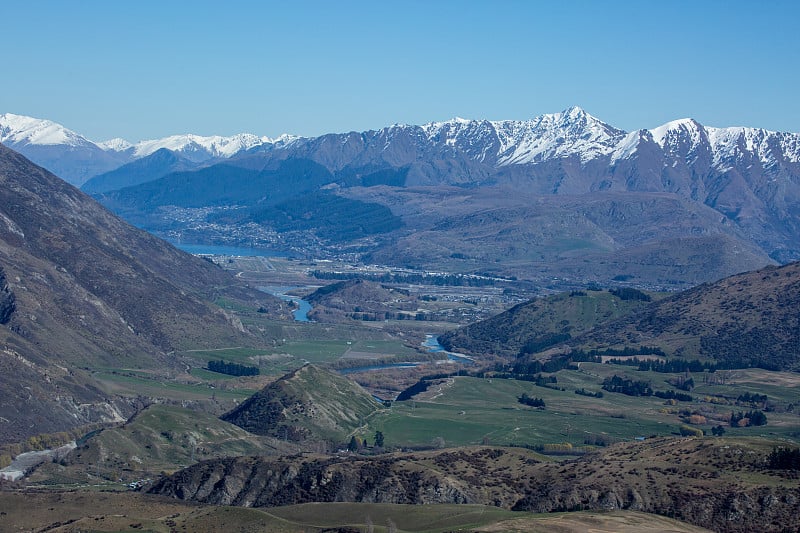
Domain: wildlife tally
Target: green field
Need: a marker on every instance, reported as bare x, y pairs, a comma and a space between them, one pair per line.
465, 410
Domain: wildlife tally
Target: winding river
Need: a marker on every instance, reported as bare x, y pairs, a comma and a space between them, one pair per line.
303, 307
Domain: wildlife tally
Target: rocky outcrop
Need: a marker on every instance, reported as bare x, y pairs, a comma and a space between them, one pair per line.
728, 508
261, 482
720, 484
7, 299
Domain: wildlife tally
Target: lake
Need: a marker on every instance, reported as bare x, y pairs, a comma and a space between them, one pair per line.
214, 249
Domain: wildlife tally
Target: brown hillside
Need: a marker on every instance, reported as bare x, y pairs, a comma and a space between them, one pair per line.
750, 319
83, 289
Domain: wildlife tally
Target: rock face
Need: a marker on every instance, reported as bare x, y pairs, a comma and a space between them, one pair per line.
259, 482
718, 484
80, 289
7, 300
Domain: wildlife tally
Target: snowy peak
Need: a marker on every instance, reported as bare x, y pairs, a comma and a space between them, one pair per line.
556, 135
19, 130
513, 142
769, 147
197, 147
115, 145
679, 131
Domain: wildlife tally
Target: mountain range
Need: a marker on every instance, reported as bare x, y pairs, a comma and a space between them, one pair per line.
75, 158
563, 195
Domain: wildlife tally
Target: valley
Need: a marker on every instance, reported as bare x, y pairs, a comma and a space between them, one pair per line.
485, 339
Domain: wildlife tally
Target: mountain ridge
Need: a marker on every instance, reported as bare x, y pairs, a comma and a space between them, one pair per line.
569, 132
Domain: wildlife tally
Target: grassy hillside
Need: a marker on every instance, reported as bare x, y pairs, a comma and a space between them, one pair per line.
159, 438
309, 404
360, 299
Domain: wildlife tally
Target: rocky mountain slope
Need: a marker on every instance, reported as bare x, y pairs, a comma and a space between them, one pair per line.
309, 404
83, 289
664, 476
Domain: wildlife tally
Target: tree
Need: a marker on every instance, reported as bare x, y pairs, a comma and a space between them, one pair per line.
354, 444
379, 439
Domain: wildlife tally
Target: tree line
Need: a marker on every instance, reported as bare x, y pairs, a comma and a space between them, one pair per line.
232, 369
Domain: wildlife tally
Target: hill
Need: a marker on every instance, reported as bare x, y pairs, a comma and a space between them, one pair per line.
158, 164
663, 476
748, 319
359, 299
309, 404
158, 438
541, 323
83, 290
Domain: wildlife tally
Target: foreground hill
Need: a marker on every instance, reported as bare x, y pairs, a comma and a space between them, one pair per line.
82, 289
663, 476
309, 404
122, 511
158, 438
749, 319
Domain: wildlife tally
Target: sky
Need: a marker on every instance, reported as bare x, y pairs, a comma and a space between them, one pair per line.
147, 69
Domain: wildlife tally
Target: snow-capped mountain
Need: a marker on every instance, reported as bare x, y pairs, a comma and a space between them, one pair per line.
482, 145
18, 130
76, 158
750, 175
196, 147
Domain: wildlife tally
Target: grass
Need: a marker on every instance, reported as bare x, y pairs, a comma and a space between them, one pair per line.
465, 411
105, 511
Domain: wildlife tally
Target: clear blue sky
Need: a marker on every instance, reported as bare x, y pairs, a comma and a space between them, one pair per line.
147, 69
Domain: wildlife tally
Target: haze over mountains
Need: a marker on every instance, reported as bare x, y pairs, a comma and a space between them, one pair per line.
563, 195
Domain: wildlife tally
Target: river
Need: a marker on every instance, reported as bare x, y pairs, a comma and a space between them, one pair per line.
432, 344
303, 307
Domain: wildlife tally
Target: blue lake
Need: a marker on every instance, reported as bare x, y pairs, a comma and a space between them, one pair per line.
213, 249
